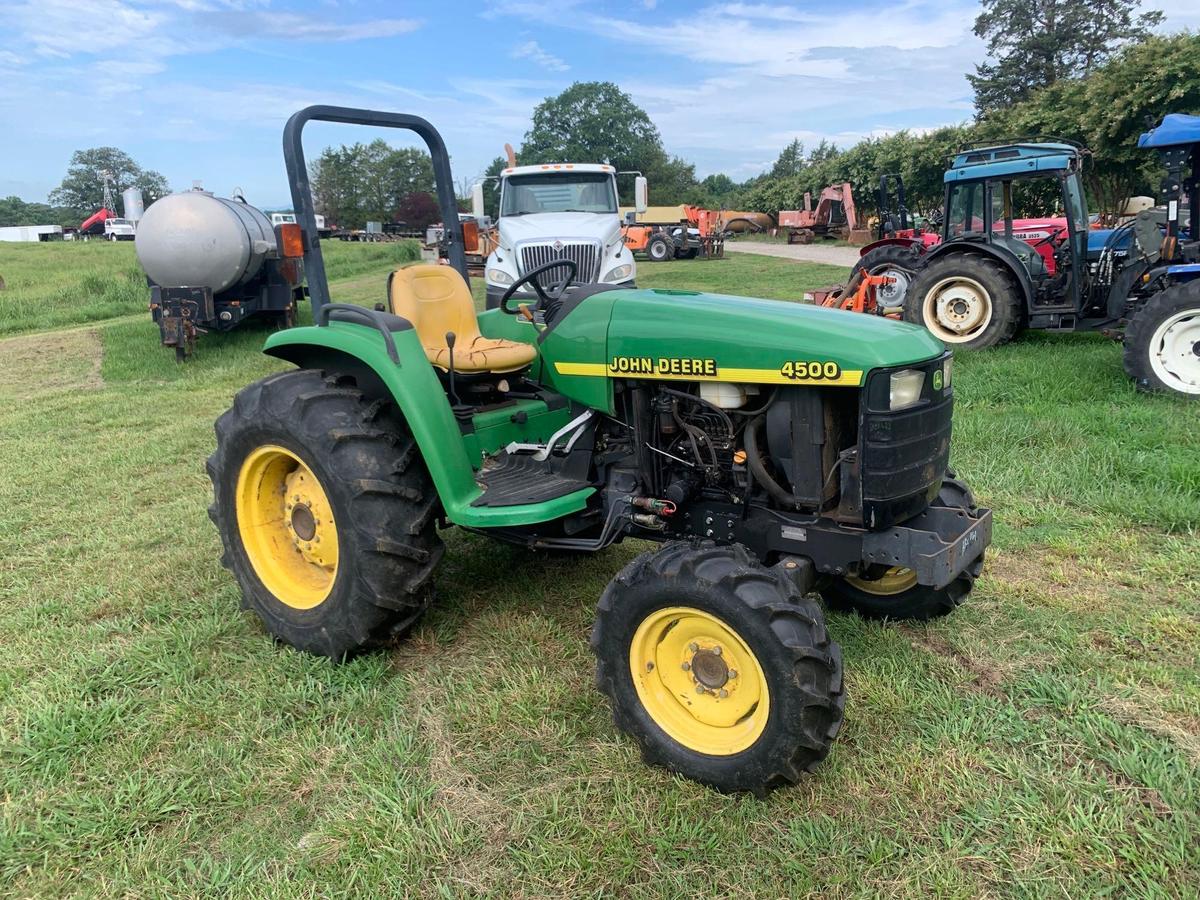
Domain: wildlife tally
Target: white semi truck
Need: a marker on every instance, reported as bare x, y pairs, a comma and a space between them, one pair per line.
558, 211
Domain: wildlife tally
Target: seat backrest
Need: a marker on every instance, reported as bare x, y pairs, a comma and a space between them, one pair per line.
435, 299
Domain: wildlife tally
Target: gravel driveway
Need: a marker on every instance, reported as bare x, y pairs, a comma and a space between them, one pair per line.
836, 256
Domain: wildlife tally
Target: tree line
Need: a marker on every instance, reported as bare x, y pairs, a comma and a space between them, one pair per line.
1090, 71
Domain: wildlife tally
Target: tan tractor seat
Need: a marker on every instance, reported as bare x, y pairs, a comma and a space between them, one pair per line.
436, 300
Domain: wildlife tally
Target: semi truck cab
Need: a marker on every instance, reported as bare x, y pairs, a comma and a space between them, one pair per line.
558, 211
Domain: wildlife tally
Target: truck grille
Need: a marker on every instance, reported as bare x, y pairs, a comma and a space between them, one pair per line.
585, 255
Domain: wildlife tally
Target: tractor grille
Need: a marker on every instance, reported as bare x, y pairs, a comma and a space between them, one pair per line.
585, 255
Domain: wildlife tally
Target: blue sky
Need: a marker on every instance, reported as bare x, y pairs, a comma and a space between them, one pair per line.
199, 89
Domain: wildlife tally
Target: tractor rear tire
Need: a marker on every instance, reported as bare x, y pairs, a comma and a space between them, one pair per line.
718, 667
967, 300
883, 592
352, 463
1162, 342
900, 262
659, 248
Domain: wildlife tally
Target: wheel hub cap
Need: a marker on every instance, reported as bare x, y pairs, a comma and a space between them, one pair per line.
957, 309
1175, 352
710, 669
893, 293
699, 681
286, 527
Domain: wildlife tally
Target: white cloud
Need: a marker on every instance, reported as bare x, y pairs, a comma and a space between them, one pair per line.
534, 53
293, 26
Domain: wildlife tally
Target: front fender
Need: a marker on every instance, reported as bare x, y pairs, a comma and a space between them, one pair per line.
360, 351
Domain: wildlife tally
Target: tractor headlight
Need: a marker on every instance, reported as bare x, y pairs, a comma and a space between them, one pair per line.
498, 276
906, 389
620, 273
946, 368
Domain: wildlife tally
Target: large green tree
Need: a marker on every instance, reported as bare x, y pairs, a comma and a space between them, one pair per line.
82, 188
1107, 111
357, 183
1037, 43
595, 121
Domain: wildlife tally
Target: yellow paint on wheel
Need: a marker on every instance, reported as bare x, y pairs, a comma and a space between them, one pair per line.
699, 681
896, 580
286, 526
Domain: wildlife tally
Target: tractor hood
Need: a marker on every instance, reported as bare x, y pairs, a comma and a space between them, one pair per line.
563, 226
687, 336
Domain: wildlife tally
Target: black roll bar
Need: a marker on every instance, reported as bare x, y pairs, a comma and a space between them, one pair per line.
302, 201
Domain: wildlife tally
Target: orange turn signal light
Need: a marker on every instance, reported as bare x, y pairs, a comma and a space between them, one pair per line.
291, 241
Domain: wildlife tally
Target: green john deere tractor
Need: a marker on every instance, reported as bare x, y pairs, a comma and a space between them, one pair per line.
773, 450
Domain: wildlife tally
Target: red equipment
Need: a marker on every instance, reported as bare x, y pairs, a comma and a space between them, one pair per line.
94, 224
834, 216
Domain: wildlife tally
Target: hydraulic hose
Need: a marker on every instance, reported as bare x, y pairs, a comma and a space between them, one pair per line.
759, 471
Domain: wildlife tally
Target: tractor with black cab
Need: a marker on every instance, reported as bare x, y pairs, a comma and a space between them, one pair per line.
773, 451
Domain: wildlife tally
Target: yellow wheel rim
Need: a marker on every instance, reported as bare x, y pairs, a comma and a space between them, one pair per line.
286, 526
896, 580
699, 681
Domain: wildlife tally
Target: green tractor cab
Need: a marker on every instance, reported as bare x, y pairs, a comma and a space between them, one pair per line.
774, 451
991, 273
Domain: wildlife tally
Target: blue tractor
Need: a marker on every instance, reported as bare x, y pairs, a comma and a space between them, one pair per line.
995, 270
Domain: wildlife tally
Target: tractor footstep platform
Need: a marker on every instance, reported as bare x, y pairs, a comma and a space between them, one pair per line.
519, 479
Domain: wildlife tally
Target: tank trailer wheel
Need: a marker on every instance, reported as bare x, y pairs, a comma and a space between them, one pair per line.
965, 299
718, 667
659, 248
1162, 342
326, 512
892, 592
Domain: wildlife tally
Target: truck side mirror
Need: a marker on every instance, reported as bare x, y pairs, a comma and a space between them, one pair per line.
477, 200
640, 190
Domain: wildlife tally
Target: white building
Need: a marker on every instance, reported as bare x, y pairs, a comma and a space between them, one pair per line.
31, 233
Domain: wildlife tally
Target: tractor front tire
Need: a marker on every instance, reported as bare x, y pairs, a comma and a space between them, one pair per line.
892, 592
898, 261
1162, 342
718, 667
659, 248
967, 300
326, 512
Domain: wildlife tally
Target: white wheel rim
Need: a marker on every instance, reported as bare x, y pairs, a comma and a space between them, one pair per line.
1175, 352
957, 309
892, 295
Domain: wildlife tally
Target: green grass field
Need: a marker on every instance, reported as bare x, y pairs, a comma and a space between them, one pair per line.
1042, 741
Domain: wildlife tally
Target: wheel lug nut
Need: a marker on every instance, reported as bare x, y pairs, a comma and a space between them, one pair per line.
693, 646
733, 673
717, 650
723, 693
699, 689
687, 667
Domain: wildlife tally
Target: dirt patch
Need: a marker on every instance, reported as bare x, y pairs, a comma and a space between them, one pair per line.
56, 361
986, 677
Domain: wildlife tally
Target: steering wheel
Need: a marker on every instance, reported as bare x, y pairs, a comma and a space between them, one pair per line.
545, 300
1050, 238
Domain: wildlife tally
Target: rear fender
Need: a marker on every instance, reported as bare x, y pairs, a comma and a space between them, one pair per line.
1002, 255
914, 243
411, 383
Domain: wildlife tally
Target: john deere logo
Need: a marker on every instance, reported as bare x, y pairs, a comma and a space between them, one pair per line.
937, 380
557, 245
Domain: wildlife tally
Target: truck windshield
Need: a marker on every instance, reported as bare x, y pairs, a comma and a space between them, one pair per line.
576, 192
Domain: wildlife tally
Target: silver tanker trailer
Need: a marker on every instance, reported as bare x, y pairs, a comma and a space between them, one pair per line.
213, 263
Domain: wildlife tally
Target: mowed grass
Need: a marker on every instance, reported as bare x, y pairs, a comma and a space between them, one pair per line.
1042, 741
